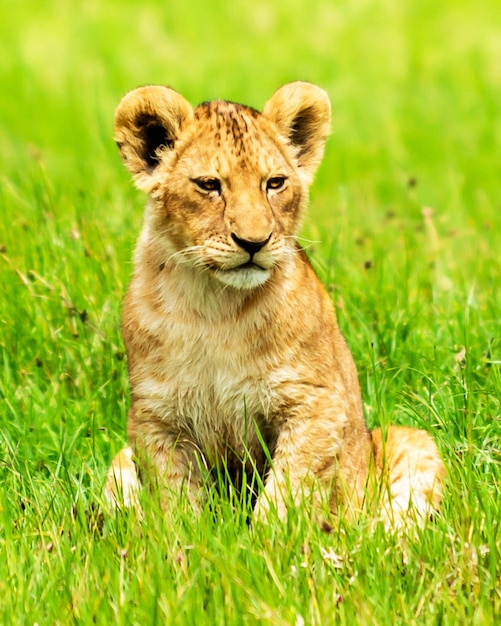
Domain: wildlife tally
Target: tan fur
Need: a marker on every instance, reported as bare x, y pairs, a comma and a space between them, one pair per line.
231, 338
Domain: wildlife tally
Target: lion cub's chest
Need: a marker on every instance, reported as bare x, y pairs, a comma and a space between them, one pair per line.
209, 382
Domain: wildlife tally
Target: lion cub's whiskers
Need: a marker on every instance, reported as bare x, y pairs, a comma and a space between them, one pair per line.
189, 255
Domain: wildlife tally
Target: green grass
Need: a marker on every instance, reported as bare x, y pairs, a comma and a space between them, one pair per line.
416, 125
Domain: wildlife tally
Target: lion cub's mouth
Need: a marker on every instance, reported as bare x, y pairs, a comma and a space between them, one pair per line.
246, 276
250, 264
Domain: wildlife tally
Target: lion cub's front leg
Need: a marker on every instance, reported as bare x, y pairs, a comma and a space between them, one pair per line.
168, 461
308, 461
170, 473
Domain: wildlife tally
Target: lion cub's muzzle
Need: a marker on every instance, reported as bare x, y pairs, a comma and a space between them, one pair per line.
249, 263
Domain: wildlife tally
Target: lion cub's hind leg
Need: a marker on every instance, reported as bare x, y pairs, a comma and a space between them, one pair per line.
122, 482
410, 474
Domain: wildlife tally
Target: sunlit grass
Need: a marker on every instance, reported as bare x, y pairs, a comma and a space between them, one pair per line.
404, 228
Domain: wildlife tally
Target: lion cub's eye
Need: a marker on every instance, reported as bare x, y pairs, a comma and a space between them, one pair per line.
276, 182
208, 184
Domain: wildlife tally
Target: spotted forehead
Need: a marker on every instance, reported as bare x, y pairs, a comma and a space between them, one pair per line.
236, 129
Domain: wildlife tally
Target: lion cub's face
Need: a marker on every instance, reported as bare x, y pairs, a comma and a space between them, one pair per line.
227, 184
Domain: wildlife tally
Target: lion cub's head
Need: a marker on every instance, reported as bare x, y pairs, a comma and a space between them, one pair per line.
227, 184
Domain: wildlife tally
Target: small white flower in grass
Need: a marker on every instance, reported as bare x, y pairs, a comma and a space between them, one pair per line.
329, 555
302, 565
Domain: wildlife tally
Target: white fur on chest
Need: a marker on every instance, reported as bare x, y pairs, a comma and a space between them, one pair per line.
209, 377
210, 396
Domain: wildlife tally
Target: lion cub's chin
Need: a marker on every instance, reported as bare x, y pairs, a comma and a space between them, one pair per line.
243, 277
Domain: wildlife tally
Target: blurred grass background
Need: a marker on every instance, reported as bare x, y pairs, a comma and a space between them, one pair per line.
404, 227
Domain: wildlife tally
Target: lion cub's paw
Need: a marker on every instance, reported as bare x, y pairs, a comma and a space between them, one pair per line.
122, 482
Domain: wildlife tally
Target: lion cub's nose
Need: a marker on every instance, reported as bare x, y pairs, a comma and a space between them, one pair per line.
250, 246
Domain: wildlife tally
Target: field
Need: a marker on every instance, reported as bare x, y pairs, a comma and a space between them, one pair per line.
404, 227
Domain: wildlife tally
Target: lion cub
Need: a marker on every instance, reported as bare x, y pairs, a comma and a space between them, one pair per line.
234, 351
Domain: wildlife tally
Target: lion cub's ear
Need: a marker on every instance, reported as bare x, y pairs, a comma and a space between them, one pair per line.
148, 121
302, 113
